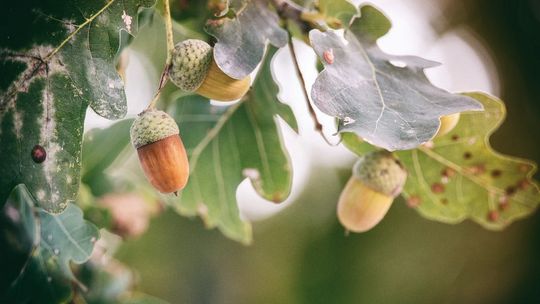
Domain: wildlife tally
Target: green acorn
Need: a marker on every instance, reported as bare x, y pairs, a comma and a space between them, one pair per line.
161, 152
377, 179
194, 70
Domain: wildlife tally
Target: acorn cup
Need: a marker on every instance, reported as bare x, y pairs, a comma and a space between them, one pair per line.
193, 69
161, 152
377, 179
448, 123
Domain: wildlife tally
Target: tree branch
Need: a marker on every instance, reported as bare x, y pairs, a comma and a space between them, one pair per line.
318, 125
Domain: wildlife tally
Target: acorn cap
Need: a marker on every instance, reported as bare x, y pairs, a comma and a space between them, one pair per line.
151, 126
190, 63
382, 172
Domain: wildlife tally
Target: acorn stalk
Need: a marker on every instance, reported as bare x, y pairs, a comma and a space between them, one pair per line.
193, 69
161, 152
377, 179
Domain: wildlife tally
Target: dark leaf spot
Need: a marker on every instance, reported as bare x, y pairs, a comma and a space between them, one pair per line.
38, 154
455, 137
510, 190
496, 173
467, 155
444, 201
437, 188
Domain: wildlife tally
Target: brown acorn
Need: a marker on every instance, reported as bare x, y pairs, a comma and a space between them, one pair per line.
161, 152
193, 69
378, 177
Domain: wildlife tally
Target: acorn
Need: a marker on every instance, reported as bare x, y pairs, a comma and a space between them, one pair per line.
448, 123
193, 69
377, 179
161, 152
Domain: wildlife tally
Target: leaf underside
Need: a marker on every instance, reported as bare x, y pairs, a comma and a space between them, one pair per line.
241, 41
385, 99
56, 61
226, 145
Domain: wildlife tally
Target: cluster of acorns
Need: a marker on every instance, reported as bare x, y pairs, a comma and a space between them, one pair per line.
155, 134
377, 179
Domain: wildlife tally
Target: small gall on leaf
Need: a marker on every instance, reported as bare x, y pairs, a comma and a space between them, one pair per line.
437, 188
413, 201
493, 215
38, 154
328, 56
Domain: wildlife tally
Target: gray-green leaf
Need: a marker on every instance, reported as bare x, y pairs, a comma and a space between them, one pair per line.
241, 41
385, 99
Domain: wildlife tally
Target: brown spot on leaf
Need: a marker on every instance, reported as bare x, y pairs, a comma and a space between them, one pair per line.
444, 201
467, 155
493, 215
414, 201
496, 173
510, 190
524, 184
448, 172
477, 169
524, 168
437, 188
455, 137
38, 154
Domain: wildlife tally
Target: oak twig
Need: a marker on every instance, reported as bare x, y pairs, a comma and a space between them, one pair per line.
170, 47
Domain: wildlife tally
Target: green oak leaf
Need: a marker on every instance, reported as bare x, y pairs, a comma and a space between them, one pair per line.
459, 176
240, 48
226, 145
58, 240
337, 13
18, 238
101, 147
57, 60
385, 99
